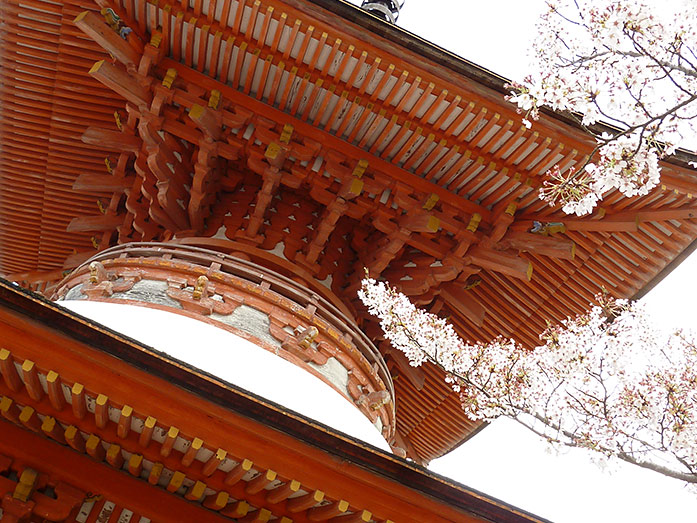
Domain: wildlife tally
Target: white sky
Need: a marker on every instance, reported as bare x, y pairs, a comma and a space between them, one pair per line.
505, 460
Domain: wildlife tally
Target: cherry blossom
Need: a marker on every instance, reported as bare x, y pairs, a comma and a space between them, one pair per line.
607, 380
627, 72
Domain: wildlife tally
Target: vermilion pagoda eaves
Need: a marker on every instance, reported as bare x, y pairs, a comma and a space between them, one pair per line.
352, 150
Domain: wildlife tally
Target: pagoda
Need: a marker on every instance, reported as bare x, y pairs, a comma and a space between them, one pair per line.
212, 179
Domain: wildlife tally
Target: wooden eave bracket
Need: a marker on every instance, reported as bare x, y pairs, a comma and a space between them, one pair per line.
208, 120
101, 222
20, 499
497, 261
552, 246
93, 26
627, 221
111, 140
122, 83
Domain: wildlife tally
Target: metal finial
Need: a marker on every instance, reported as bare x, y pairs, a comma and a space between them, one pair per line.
388, 10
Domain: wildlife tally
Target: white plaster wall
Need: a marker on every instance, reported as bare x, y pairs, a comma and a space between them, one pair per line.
234, 360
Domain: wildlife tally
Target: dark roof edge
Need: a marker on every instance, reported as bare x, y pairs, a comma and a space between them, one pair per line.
456, 63
38, 309
670, 267
412, 42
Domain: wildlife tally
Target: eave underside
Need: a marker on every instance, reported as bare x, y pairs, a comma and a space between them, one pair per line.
91, 412
420, 134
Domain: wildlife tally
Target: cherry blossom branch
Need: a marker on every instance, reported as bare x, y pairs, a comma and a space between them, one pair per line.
622, 62
606, 380
687, 477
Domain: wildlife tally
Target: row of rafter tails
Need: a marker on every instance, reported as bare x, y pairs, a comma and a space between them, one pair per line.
90, 423
446, 158
76, 477
181, 24
121, 81
107, 435
488, 133
41, 120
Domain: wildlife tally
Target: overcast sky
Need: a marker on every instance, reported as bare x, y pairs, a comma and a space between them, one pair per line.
505, 460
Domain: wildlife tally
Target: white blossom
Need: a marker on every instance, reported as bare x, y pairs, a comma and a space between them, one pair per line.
607, 380
630, 64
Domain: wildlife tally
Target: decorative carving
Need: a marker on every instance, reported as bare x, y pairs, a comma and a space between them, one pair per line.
302, 344
199, 297
374, 400
201, 288
302, 327
24, 497
98, 273
102, 283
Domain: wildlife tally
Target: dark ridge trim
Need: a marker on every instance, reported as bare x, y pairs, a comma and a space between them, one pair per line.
38, 309
686, 252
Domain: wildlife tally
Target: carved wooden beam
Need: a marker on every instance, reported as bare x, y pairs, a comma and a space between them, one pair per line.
94, 26
95, 223
502, 221
208, 168
137, 206
500, 262
552, 246
102, 183
417, 280
208, 120
327, 221
146, 184
465, 239
451, 220
272, 177
170, 171
169, 190
398, 234
122, 83
561, 224
204, 187
112, 140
